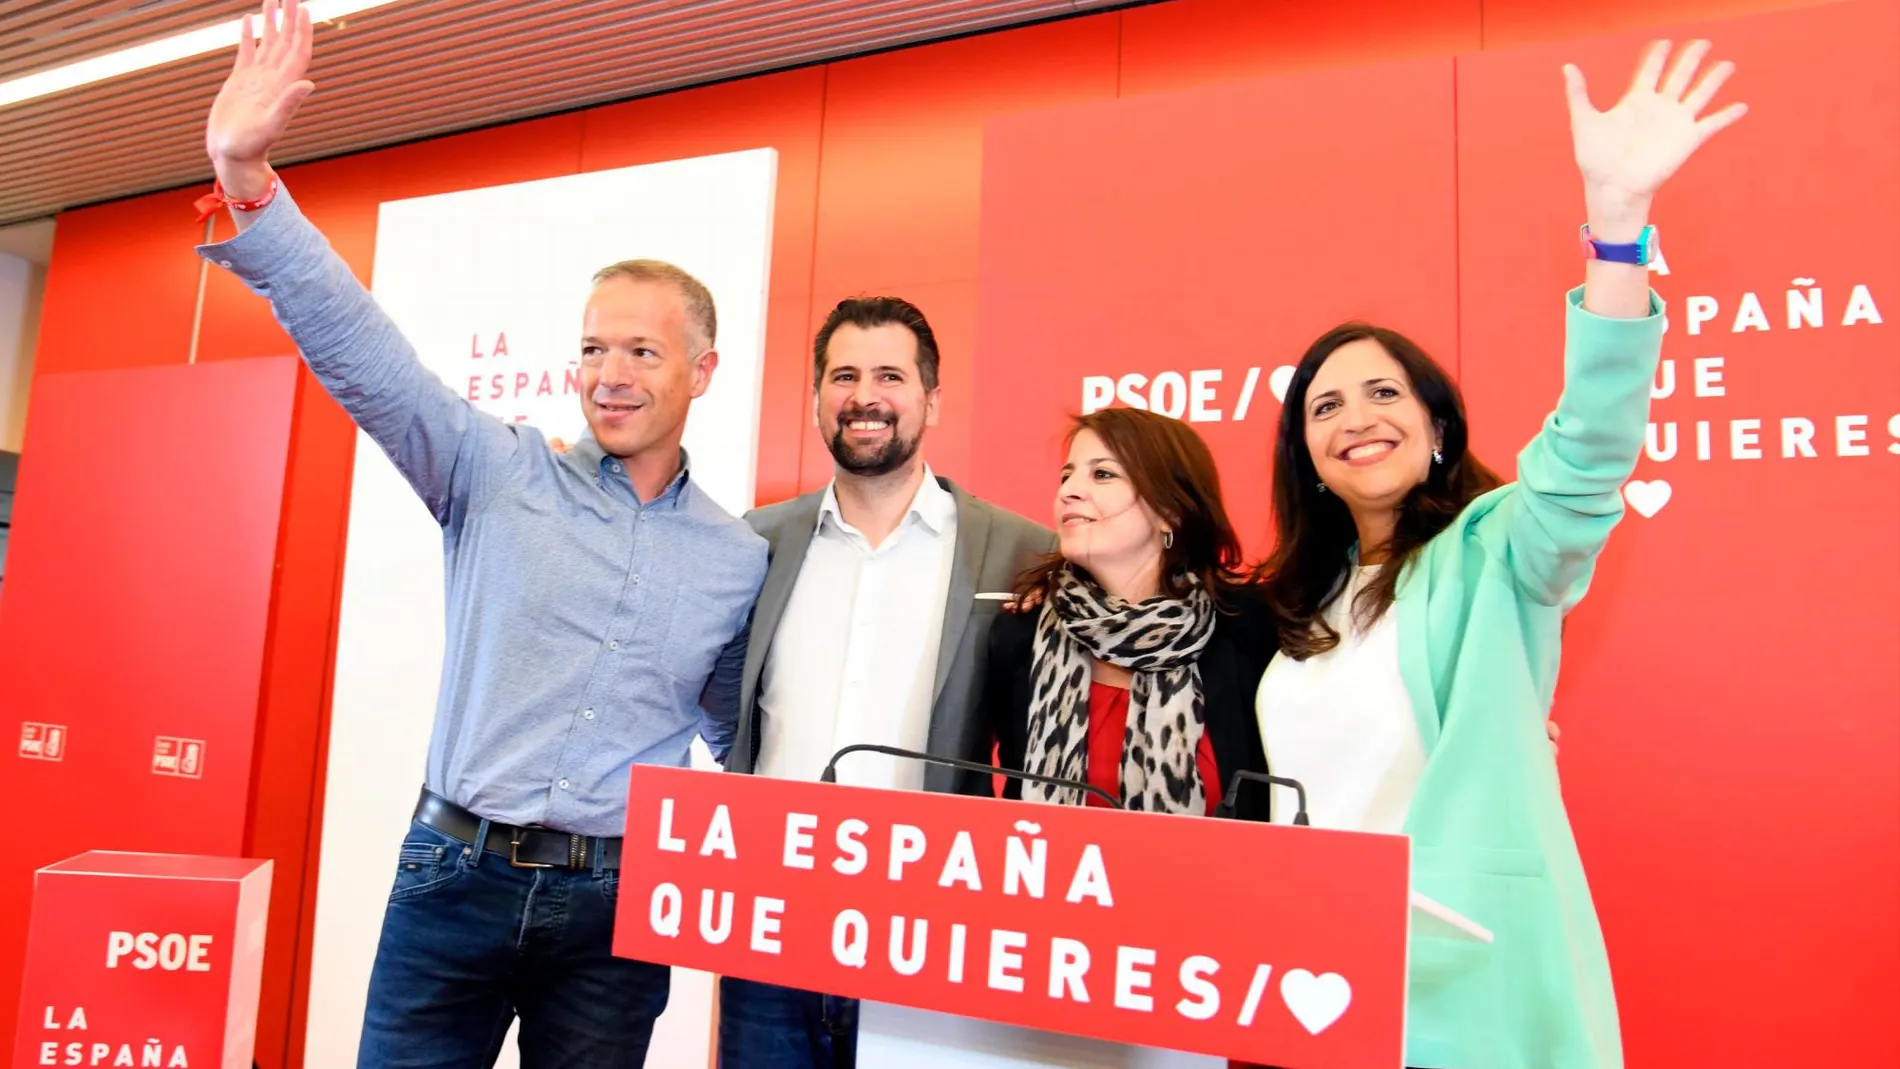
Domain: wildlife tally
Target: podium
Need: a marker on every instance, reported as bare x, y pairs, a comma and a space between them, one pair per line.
892, 1035
1030, 934
143, 959
895, 1035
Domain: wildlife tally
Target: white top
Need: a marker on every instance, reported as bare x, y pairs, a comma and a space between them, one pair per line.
855, 656
1341, 723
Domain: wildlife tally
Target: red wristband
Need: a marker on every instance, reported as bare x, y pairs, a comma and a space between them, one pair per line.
209, 204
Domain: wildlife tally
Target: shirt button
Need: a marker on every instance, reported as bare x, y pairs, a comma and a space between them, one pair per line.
224, 263
587, 714
636, 580
564, 785
614, 645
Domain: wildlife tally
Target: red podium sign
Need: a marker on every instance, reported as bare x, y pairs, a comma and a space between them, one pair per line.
143, 960
1240, 940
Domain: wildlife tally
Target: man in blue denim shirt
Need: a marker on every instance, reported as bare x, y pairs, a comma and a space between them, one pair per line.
595, 600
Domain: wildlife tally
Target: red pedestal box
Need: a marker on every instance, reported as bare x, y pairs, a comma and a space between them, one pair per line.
143, 960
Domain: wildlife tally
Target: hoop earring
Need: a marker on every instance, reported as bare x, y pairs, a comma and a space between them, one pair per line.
1322, 488
1167, 540
1437, 457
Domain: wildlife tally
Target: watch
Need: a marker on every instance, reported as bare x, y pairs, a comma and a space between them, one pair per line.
1642, 252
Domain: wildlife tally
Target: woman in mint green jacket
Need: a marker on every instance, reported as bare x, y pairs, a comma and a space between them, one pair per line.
1423, 604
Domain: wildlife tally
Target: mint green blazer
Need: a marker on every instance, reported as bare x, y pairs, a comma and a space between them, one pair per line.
1480, 612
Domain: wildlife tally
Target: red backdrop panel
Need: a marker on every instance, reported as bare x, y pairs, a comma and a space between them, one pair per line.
1180, 237
1730, 685
1189, 43
1511, 23
902, 181
113, 266
138, 596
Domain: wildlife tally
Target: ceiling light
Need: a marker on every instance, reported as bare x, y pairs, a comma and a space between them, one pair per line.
156, 53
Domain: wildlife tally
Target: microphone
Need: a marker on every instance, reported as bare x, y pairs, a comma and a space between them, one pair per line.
1226, 807
831, 769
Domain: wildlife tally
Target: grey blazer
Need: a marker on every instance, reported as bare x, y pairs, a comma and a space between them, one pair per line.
993, 547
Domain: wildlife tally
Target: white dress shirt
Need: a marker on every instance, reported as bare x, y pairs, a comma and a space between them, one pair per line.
855, 656
1341, 723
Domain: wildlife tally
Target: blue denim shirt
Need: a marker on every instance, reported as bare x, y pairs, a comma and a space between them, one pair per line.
584, 628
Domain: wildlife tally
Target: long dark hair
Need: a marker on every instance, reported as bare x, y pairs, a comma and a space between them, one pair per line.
1315, 529
1173, 473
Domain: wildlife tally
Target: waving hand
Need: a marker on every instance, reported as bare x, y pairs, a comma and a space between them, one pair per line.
1630, 150
256, 103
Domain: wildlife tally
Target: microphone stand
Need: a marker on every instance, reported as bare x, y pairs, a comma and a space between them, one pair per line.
831, 769
1226, 807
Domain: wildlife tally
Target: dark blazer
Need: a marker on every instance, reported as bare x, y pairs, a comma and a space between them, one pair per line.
1232, 663
993, 546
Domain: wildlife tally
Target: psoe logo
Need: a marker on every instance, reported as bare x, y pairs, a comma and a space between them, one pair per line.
43, 742
184, 758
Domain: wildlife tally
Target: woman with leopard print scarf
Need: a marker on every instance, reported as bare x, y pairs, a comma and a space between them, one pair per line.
1133, 663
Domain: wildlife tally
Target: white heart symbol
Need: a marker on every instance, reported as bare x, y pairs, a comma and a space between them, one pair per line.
1317, 1001
1278, 380
1647, 498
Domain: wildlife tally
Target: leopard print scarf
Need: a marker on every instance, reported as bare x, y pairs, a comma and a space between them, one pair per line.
1160, 641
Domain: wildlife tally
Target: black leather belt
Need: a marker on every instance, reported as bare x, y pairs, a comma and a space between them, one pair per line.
525, 848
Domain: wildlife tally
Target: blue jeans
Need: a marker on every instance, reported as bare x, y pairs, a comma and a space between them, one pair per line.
764, 1026
470, 942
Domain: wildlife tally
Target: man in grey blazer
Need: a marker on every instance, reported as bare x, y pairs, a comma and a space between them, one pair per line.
871, 626
993, 546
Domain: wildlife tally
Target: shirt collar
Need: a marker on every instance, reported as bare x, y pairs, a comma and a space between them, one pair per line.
934, 506
589, 453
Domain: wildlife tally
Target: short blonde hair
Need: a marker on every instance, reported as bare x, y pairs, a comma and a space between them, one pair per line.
699, 300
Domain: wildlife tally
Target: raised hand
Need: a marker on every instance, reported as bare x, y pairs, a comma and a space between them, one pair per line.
256, 102
1629, 151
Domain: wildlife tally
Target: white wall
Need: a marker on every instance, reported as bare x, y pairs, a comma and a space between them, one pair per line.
24, 252
21, 281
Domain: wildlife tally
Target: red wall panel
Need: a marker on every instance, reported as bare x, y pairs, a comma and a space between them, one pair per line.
499, 155
1199, 42
900, 184
1107, 254
120, 287
1730, 684
138, 603
1510, 23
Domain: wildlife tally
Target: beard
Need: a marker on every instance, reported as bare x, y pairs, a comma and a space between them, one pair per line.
871, 461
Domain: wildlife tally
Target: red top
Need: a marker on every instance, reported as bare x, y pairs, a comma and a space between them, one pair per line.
1108, 721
